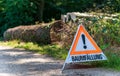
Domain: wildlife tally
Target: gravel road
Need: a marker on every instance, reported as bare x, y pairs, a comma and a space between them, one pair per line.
18, 62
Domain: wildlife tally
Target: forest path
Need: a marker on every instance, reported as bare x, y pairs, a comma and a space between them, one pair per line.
19, 62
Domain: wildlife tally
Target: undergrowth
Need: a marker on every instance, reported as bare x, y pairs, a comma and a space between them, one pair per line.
113, 61
52, 50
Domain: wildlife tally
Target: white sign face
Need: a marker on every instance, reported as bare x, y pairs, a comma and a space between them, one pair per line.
84, 48
82, 42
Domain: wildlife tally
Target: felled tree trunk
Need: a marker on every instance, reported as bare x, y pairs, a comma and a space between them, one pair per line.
62, 33
36, 33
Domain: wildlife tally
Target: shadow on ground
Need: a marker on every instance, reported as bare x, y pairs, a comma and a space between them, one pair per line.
18, 62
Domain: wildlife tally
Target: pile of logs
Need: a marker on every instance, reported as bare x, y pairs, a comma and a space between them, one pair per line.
75, 17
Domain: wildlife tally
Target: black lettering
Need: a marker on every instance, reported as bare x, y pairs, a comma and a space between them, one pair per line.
76, 58
87, 57
84, 57
73, 58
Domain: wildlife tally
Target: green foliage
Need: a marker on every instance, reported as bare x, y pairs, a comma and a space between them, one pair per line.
58, 7
104, 31
22, 12
16, 12
19, 11
106, 6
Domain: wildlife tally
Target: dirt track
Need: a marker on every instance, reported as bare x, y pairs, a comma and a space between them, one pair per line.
18, 62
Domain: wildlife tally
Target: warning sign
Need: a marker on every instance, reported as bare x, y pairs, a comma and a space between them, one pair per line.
84, 48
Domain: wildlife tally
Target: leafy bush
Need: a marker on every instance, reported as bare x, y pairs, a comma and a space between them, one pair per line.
16, 12
103, 31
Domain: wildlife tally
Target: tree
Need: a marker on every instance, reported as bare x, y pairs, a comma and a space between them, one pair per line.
40, 8
16, 12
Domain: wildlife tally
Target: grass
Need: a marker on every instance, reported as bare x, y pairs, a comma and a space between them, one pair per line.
57, 52
113, 61
113, 58
52, 50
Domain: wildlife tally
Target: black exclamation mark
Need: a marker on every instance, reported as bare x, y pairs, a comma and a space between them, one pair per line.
83, 39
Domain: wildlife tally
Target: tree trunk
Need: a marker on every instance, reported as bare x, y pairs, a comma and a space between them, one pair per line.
40, 8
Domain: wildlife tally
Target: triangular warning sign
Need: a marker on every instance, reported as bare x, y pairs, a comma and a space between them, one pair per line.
84, 48
83, 43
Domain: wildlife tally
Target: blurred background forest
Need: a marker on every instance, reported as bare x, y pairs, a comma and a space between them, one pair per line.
26, 12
